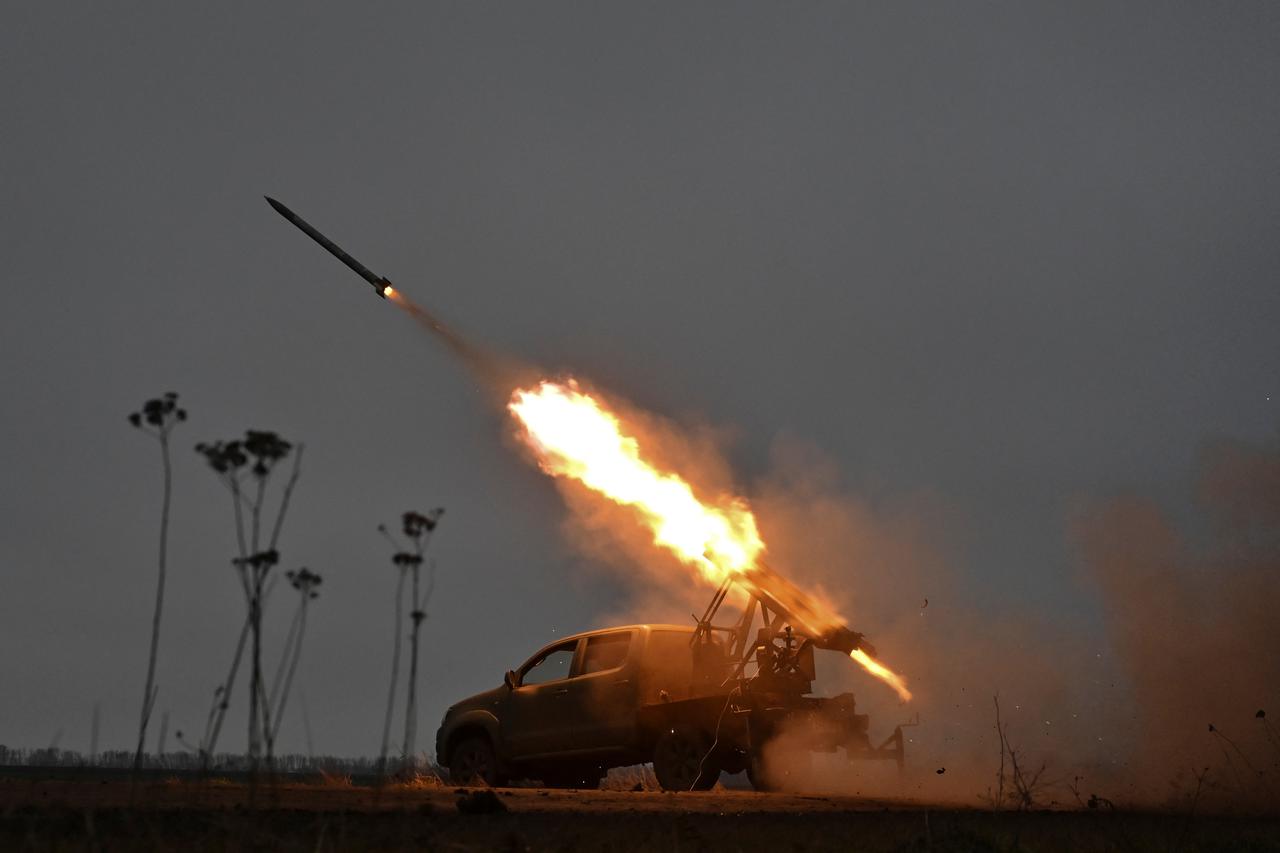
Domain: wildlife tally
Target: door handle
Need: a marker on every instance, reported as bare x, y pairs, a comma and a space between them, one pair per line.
563, 691
622, 682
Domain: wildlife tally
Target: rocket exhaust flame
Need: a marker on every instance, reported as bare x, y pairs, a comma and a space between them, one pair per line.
573, 435
882, 672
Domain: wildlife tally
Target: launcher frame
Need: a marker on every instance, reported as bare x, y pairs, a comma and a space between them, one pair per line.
784, 666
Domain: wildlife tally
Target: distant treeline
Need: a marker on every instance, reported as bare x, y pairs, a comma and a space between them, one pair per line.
186, 761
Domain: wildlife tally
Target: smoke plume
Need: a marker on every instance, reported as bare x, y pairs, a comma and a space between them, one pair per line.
497, 373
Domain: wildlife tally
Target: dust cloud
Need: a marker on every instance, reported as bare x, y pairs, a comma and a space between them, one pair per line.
1190, 610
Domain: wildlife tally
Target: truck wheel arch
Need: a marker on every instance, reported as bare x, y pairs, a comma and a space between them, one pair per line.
472, 723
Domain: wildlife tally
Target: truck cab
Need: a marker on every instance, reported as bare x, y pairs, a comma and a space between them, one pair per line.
570, 711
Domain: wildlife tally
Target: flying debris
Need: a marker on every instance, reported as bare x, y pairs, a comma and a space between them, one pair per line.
380, 285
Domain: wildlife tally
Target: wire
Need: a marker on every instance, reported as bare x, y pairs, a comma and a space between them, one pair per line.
716, 741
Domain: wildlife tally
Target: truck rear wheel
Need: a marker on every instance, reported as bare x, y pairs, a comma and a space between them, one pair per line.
682, 763
474, 762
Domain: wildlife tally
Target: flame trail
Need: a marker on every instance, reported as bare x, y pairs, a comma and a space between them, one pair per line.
883, 673
574, 435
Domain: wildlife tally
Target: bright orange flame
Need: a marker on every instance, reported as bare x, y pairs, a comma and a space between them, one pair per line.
391, 293
883, 673
575, 436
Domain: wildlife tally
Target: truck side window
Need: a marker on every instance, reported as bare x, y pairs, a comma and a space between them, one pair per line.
552, 666
607, 651
668, 662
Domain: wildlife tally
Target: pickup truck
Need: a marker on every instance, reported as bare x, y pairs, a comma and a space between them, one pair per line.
666, 694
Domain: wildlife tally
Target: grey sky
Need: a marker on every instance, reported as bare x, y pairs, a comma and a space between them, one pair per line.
1010, 255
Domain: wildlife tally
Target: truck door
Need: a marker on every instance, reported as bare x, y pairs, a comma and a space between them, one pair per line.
605, 692
539, 715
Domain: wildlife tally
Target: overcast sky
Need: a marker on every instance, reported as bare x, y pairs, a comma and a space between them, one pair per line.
1003, 255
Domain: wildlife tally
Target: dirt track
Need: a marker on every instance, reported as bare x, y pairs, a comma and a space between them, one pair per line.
322, 798
186, 816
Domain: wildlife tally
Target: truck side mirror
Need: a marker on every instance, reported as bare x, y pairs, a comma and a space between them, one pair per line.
510, 679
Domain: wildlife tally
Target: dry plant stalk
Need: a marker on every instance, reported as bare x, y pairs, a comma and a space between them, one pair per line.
1015, 785
417, 528
157, 418
245, 467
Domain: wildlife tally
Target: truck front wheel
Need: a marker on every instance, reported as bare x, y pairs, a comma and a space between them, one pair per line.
682, 761
474, 762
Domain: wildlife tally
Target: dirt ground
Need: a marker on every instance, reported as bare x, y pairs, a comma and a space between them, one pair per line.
89, 815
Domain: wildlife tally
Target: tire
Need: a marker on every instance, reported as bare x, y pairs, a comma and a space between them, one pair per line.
474, 762
756, 775
681, 762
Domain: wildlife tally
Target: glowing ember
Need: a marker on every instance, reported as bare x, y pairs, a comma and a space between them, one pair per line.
575, 436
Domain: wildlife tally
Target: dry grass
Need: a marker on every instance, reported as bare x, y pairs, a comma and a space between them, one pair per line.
417, 782
335, 780
638, 777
